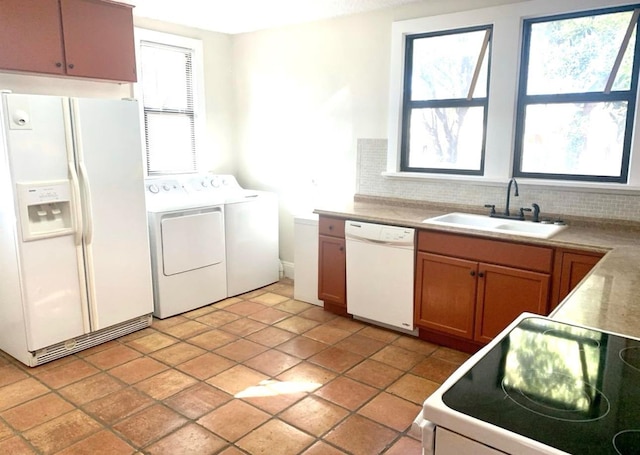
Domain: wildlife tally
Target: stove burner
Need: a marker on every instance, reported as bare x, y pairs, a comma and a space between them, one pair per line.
627, 442
631, 357
564, 397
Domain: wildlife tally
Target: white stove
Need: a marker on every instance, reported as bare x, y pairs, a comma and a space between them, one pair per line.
540, 387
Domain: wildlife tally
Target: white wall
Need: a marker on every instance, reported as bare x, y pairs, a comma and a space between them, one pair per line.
305, 94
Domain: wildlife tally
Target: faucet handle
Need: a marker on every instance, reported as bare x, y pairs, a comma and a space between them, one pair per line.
492, 207
522, 210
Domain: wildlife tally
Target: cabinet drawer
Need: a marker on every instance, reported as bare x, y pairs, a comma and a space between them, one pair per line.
530, 257
333, 227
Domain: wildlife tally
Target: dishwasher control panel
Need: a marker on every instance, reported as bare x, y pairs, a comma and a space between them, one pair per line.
379, 233
393, 234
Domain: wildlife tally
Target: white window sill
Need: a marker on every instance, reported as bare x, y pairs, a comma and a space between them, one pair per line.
586, 187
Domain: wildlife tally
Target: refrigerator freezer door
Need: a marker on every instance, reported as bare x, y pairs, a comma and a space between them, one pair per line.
49, 273
109, 157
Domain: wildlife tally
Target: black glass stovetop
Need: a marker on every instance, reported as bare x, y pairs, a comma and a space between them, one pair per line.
571, 388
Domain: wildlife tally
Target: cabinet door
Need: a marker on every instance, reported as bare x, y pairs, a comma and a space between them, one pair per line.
31, 36
98, 39
333, 227
503, 294
571, 267
445, 294
332, 270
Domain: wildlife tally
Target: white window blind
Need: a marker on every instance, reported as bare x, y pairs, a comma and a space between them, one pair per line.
167, 80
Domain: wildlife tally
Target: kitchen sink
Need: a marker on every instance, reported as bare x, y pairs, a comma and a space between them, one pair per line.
499, 225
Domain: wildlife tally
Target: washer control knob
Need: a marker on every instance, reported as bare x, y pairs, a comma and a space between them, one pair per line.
204, 183
153, 188
166, 187
215, 182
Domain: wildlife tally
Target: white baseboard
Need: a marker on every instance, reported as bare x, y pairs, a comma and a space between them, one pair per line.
288, 269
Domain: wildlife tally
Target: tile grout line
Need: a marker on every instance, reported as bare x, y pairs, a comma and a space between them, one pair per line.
276, 414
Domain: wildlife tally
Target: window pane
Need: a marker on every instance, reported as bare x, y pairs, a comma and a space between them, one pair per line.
443, 66
170, 143
577, 55
166, 77
574, 138
446, 138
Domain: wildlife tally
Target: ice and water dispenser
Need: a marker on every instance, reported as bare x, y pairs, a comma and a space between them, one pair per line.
45, 209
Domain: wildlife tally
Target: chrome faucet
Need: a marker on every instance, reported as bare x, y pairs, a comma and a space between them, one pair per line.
512, 181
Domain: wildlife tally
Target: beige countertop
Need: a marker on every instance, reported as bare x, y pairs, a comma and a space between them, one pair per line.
607, 299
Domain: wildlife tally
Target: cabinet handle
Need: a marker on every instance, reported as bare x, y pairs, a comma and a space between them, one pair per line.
71, 65
331, 227
481, 274
58, 64
472, 273
341, 248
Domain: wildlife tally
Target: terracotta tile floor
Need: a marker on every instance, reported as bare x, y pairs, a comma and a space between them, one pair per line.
257, 374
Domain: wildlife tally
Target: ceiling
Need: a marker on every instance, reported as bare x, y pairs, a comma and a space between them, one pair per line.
240, 16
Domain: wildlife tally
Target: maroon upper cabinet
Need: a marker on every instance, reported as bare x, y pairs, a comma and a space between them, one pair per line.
98, 37
31, 36
83, 38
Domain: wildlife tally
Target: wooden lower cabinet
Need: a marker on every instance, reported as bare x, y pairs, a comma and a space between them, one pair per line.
503, 294
467, 290
445, 294
571, 266
332, 265
332, 275
474, 300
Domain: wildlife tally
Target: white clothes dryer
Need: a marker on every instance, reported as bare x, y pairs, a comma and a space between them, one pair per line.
188, 257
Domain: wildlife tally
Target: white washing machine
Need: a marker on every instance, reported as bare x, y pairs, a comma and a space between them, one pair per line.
251, 231
188, 256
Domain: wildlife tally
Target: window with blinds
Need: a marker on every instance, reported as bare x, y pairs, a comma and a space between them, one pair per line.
168, 106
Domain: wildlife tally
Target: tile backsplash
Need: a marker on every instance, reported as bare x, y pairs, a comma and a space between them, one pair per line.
372, 161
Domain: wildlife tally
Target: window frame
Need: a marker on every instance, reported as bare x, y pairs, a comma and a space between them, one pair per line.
507, 21
198, 100
524, 100
408, 105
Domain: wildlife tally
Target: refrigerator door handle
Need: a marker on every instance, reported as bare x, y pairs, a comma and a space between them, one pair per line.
77, 213
75, 181
88, 225
84, 175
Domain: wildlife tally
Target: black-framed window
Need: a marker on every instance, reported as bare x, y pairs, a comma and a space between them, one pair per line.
446, 88
577, 96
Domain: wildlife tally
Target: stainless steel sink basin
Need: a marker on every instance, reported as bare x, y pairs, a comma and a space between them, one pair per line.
499, 225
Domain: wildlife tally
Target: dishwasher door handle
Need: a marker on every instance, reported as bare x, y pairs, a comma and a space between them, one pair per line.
374, 241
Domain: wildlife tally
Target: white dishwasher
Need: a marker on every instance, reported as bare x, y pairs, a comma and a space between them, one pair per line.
380, 264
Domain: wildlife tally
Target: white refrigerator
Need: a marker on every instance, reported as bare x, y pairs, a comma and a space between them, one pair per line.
74, 251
